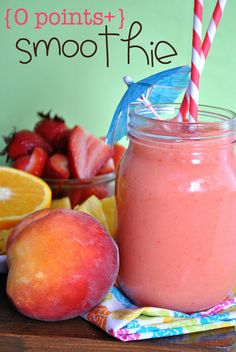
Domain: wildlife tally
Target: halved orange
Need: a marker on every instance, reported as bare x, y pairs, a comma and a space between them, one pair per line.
20, 194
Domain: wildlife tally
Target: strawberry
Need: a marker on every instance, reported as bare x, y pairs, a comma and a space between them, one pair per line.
107, 168
100, 191
34, 163
54, 130
78, 196
57, 167
87, 154
118, 152
23, 142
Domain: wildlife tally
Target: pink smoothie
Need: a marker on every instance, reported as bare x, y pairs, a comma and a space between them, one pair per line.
177, 223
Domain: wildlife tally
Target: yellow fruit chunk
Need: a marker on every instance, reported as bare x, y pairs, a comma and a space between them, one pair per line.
109, 209
20, 194
93, 206
4, 234
61, 203
103, 210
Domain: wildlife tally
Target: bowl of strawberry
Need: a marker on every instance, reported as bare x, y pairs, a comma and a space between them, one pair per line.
73, 162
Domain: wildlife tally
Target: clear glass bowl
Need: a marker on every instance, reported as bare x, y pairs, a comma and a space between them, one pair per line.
101, 186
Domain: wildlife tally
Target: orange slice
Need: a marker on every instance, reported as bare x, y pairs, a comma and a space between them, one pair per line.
61, 203
110, 211
20, 194
103, 210
93, 207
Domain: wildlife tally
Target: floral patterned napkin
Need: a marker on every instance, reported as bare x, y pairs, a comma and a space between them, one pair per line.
125, 321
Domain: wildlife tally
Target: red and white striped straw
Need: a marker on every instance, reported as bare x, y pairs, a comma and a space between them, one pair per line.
196, 61
211, 31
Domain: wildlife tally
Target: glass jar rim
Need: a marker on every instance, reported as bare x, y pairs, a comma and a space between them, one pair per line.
143, 124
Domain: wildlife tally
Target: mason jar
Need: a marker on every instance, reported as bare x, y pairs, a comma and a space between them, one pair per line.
176, 198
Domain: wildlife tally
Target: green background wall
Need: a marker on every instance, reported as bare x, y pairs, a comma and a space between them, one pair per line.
85, 91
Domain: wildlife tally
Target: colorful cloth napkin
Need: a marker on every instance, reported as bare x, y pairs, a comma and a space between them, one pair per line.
125, 321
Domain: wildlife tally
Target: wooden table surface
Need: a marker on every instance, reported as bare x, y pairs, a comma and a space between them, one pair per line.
19, 333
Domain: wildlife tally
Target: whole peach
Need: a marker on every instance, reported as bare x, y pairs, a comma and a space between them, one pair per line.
61, 264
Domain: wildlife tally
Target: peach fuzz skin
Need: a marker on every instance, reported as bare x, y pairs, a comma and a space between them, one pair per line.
61, 264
